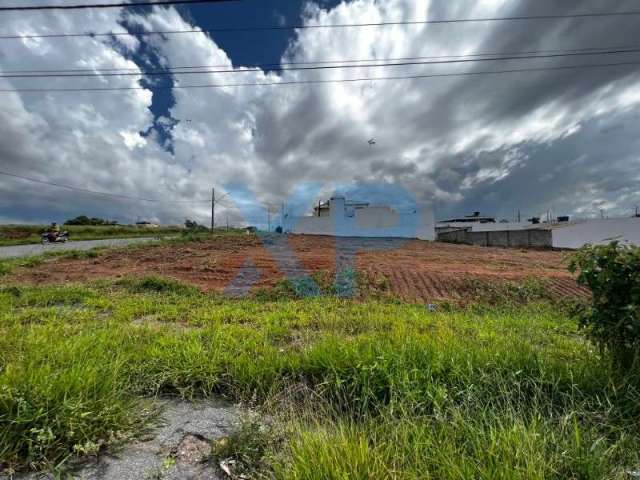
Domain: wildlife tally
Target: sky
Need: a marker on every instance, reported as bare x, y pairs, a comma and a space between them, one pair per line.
559, 141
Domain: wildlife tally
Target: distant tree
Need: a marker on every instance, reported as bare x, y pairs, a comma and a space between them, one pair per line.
84, 220
193, 225
81, 220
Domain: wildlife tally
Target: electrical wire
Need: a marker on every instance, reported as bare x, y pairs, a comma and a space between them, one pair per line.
324, 81
319, 67
266, 66
107, 5
94, 192
319, 26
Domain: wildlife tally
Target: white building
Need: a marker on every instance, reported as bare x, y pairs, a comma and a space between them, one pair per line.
596, 232
356, 219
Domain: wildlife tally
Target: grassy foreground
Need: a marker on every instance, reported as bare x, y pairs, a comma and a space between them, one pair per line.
29, 234
357, 390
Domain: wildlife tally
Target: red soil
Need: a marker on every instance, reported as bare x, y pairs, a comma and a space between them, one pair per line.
416, 270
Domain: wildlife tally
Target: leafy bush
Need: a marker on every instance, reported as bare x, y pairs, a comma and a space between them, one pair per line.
612, 321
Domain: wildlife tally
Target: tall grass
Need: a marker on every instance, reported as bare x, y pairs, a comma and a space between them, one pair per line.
360, 389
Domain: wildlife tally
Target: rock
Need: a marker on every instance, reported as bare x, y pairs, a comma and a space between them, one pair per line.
193, 449
178, 449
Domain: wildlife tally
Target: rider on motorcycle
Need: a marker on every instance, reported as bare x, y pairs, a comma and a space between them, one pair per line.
53, 231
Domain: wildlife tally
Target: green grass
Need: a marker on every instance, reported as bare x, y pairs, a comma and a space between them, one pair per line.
8, 265
356, 390
29, 234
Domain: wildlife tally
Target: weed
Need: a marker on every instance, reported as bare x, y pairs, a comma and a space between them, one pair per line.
9, 265
31, 262
245, 449
346, 283
78, 254
282, 290
157, 285
5, 268
494, 293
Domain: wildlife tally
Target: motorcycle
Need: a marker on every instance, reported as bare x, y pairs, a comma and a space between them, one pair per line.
62, 237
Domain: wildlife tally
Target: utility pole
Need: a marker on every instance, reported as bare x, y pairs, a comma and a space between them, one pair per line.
519, 219
213, 208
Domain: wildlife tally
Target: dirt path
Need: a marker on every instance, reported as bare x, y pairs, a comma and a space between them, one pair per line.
416, 270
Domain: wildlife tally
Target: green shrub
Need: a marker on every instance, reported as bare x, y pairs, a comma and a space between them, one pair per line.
158, 285
612, 320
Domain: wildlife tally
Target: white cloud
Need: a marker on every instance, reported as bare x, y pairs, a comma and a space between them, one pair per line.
478, 141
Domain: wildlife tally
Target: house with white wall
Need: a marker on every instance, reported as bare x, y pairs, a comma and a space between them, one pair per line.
341, 218
596, 231
564, 235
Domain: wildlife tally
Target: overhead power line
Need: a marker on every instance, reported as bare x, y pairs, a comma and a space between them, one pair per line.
323, 81
318, 26
173, 71
107, 5
267, 66
94, 192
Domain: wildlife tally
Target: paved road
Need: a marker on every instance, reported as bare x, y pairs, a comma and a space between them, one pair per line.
28, 250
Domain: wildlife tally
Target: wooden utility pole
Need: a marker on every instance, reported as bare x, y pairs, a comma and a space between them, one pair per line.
282, 218
213, 208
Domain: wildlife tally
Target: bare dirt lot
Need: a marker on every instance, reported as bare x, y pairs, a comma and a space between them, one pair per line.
415, 270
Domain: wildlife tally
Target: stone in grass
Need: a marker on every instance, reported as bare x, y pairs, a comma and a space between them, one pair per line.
173, 450
193, 449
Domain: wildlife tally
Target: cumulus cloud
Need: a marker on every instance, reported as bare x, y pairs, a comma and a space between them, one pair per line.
534, 141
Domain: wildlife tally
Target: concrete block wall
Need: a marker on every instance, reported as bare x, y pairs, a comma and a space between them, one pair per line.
519, 238
503, 238
540, 238
454, 236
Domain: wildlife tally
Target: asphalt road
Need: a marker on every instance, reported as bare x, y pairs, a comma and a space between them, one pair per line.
29, 250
